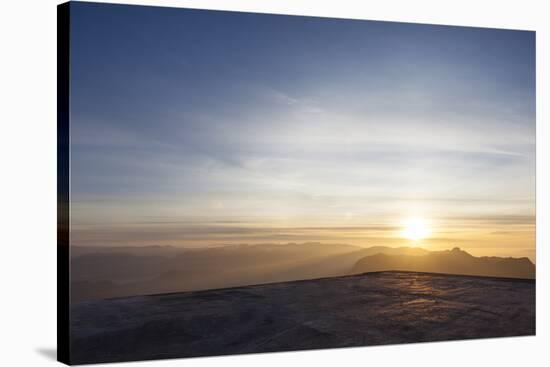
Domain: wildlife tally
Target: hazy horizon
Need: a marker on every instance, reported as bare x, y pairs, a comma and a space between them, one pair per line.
189, 129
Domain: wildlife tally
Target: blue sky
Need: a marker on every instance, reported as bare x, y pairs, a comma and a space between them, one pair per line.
201, 127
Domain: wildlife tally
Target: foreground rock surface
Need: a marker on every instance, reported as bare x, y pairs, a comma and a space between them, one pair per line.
367, 309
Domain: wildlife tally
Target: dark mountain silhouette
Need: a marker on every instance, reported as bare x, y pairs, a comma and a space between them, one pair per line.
126, 271
453, 261
337, 265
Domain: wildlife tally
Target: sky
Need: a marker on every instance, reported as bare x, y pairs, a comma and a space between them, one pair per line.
199, 128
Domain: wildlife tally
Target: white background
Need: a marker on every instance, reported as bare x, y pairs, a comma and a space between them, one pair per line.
28, 183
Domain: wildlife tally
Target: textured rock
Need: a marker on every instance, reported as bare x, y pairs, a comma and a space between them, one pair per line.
367, 309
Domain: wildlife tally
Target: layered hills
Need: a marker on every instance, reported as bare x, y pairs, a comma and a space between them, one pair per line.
106, 272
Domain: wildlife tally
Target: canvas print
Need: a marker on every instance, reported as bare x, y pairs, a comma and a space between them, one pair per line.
235, 182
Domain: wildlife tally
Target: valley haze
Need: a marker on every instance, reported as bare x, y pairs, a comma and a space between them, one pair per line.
127, 271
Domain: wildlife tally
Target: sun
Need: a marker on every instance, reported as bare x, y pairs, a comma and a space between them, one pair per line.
416, 229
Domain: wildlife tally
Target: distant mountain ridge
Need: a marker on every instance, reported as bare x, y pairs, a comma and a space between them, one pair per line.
125, 271
455, 261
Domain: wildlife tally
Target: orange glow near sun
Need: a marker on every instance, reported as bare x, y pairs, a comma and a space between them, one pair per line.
416, 229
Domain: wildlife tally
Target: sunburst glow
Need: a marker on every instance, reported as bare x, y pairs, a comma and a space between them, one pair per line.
416, 229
